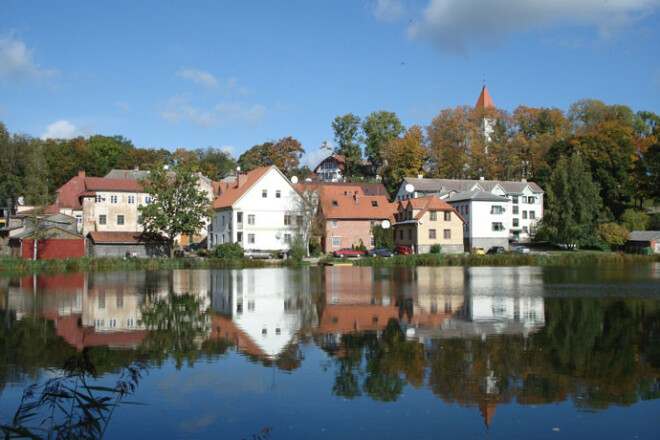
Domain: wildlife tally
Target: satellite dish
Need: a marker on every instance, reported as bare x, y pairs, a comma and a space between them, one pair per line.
294, 179
409, 187
385, 224
278, 235
421, 221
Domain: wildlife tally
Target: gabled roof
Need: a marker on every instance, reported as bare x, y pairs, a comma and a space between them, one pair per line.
476, 196
232, 192
361, 188
429, 203
644, 235
457, 185
356, 207
484, 101
68, 195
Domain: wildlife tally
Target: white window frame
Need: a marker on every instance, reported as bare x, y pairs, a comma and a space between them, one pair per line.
336, 241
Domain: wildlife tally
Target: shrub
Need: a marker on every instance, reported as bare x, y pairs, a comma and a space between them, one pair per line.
298, 248
227, 250
436, 249
635, 220
613, 234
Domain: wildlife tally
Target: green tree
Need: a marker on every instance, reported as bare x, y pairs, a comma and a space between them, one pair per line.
574, 205
403, 157
379, 128
215, 164
107, 150
347, 136
449, 138
256, 157
635, 220
178, 206
614, 234
143, 158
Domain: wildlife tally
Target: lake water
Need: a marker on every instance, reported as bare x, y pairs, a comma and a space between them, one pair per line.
344, 352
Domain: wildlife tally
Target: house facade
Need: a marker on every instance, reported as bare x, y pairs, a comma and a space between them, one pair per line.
349, 218
427, 221
331, 169
526, 198
487, 218
260, 210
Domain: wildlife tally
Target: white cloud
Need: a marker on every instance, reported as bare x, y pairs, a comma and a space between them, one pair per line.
229, 149
461, 25
180, 109
63, 129
16, 61
123, 106
387, 10
200, 77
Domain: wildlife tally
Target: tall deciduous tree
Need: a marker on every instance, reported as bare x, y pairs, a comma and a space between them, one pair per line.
450, 136
404, 157
379, 127
178, 205
286, 154
347, 137
107, 150
214, 164
574, 205
256, 157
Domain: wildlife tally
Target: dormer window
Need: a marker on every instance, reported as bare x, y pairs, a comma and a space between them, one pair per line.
374, 203
334, 203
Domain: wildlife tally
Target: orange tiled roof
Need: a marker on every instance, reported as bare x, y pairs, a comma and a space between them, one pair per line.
355, 207
68, 195
233, 191
430, 203
484, 101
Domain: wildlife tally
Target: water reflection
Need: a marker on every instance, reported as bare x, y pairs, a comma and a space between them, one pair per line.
476, 337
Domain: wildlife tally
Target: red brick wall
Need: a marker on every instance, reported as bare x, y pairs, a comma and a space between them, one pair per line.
350, 231
54, 248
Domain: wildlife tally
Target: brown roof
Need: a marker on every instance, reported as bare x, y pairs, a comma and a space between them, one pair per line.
235, 190
485, 101
355, 207
120, 237
68, 195
429, 203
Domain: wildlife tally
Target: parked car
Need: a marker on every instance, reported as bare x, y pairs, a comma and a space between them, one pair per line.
348, 253
257, 254
480, 251
284, 254
403, 250
521, 250
380, 252
193, 247
495, 250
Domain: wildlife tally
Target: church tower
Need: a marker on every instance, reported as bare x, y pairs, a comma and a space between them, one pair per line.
486, 110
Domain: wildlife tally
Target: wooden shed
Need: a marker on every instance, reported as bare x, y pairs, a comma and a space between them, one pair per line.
126, 244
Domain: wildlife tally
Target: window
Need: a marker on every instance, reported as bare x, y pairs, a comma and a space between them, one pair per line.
532, 215
334, 203
374, 203
101, 299
524, 214
148, 199
250, 219
131, 200
239, 237
79, 219
113, 199
409, 234
264, 193
432, 234
434, 215
515, 210
120, 219
250, 238
498, 227
103, 219
130, 322
98, 198
467, 209
531, 200
299, 220
447, 216
336, 241
239, 217
335, 223
515, 199
400, 234
524, 199
287, 238
140, 219
287, 220
372, 241
516, 223
496, 209
278, 194
112, 323
447, 234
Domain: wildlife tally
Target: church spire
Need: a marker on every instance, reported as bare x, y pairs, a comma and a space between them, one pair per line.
484, 101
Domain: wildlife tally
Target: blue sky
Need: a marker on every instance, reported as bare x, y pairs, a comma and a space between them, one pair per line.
231, 75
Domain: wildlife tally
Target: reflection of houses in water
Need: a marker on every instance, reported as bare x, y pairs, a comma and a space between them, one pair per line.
366, 298
498, 300
101, 308
260, 310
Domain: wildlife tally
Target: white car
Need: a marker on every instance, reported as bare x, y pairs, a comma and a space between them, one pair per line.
521, 250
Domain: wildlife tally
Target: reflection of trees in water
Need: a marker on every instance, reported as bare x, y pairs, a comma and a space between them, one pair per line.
597, 352
179, 326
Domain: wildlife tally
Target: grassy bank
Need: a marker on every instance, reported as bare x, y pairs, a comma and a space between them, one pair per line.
19, 267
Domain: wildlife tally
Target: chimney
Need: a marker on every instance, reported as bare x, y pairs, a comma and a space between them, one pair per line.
482, 178
81, 174
241, 179
136, 168
355, 198
419, 176
523, 180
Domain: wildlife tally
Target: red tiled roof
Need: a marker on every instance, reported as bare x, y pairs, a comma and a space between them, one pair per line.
233, 191
359, 207
120, 237
430, 203
484, 100
68, 195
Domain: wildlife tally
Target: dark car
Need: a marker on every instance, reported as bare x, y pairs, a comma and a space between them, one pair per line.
380, 252
348, 253
403, 250
193, 247
284, 254
495, 250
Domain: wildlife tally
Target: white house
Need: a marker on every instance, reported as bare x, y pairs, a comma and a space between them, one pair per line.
526, 198
487, 217
260, 210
